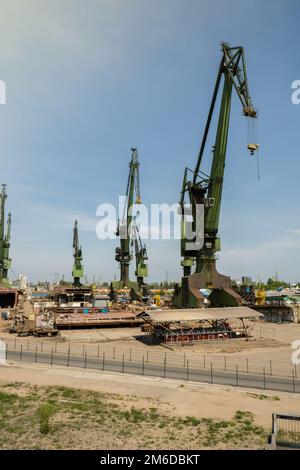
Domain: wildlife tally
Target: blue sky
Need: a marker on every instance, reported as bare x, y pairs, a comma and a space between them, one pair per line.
87, 80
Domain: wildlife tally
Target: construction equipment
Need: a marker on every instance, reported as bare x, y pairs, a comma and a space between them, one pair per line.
5, 260
77, 271
124, 229
205, 191
141, 257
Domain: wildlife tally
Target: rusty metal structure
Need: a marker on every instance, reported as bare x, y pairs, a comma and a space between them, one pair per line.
188, 326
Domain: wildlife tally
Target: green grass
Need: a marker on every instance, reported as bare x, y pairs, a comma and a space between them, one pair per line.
45, 413
264, 397
62, 417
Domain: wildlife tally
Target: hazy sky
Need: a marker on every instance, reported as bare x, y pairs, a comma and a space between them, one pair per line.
88, 79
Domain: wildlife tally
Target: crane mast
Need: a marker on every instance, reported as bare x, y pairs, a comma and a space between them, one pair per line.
206, 191
123, 252
77, 271
5, 260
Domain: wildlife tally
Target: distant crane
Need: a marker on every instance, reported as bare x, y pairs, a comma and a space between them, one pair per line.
206, 191
141, 257
77, 271
5, 260
123, 252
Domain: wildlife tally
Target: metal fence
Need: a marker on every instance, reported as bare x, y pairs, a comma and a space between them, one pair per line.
198, 360
144, 362
286, 430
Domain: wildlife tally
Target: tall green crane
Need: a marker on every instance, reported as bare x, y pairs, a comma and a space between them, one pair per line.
77, 271
205, 191
123, 252
5, 260
141, 257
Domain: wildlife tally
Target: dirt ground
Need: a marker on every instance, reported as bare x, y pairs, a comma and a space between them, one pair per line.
198, 400
38, 412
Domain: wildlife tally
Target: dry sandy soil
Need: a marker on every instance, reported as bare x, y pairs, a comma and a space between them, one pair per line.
110, 411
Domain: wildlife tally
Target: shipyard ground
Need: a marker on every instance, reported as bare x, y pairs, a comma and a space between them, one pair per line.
135, 411
269, 349
110, 411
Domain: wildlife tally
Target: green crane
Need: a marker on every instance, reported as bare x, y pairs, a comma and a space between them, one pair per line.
205, 191
77, 271
5, 260
123, 252
141, 257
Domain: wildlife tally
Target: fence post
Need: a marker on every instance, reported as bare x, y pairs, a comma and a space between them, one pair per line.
103, 361
187, 370
55, 346
98, 351
147, 356
83, 349
21, 352
143, 369
184, 359
130, 354
114, 353
237, 375
293, 378
68, 363
271, 371
6, 350
85, 359
51, 362
123, 364
247, 365
225, 363
264, 372
36, 350
295, 367
15, 343
28, 345
211, 373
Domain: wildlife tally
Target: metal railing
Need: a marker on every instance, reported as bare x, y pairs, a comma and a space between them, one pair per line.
286, 430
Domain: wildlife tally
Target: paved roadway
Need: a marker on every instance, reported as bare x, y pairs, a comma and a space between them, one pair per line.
141, 367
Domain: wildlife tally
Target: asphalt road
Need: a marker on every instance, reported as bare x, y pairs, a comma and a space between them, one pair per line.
210, 375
